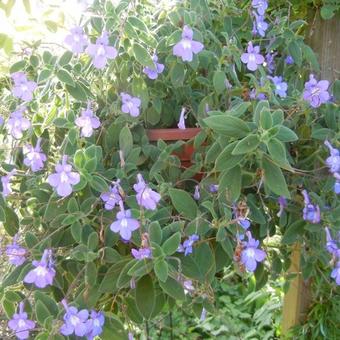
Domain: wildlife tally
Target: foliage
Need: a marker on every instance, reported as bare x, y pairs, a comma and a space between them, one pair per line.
255, 151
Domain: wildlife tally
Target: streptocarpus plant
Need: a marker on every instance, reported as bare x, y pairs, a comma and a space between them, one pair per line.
108, 230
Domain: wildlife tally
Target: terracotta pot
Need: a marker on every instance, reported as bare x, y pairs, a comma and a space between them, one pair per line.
171, 135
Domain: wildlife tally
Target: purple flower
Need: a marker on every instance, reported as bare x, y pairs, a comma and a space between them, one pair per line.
259, 25
289, 60
16, 254
316, 92
270, 62
311, 212
254, 95
130, 336
76, 40
252, 58
112, 197
260, 6
1, 120
101, 51
23, 88
280, 86
186, 247
283, 204
153, 73
125, 224
331, 245
142, 253
17, 123
187, 47
181, 123
95, 324
337, 183
44, 273
333, 161
35, 158
197, 194
87, 121
20, 323
6, 183
146, 197
188, 286
64, 178
250, 255
130, 104
336, 274
213, 188
203, 314
74, 321
243, 221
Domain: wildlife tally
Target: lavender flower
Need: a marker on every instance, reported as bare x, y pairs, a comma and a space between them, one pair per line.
95, 324
112, 197
252, 58
44, 273
186, 247
331, 245
203, 314
101, 51
336, 273
260, 6
6, 183
17, 123
23, 88
142, 253
337, 183
87, 122
283, 204
289, 60
20, 323
316, 92
76, 40
181, 123
35, 158
253, 95
251, 254
1, 120
188, 287
242, 220
74, 321
333, 161
146, 197
153, 73
197, 194
311, 212
280, 86
16, 254
259, 25
130, 104
125, 224
64, 178
270, 61
187, 47
213, 188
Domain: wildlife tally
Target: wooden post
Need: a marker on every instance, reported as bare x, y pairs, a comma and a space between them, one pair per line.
324, 38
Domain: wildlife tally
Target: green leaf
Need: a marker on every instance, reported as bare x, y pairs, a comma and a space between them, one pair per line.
177, 75
99, 184
262, 104
286, 135
293, 232
161, 270
11, 224
294, 50
266, 120
138, 23
142, 55
231, 180
125, 141
2, 215
336, 89
77, 92
155, 232
277, 150
219, 81
328, 11
274, 178
246, 145
183, 203
65, 58
226, 160
18, 66
48, 302
65, 76
173, 288
41, 312
171, 244
145, 296
228, 125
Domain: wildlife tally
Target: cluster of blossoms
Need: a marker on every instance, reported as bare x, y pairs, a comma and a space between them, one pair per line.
186, 246
333, 249
259, 24
82, 323
333, 163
